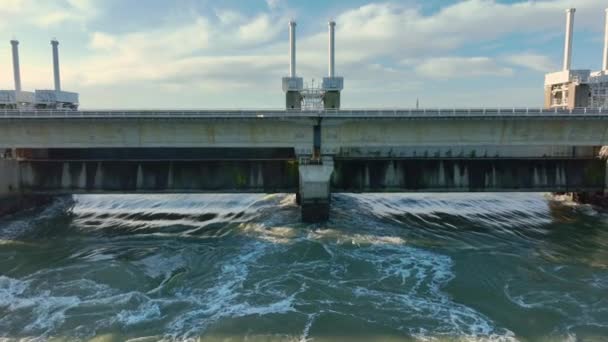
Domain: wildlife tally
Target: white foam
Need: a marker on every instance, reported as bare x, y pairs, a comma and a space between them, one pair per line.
48, 310
158, 265
146, 312
306, 331
274, 234
580, 303
422, 276
359, 239
503, 210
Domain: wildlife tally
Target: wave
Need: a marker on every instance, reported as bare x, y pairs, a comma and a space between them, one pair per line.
184, 266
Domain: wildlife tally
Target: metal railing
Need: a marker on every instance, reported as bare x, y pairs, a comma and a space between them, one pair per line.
273, 113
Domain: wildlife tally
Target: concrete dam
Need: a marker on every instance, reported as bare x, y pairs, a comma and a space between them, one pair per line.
310, 153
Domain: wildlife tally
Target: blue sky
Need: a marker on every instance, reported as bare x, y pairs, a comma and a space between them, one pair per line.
233, 53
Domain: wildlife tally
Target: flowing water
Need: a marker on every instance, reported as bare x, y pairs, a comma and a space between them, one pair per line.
427, 267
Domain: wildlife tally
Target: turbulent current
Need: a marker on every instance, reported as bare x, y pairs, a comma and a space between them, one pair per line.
424, 267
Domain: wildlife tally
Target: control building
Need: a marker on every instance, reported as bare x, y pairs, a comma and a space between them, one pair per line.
40, 99
567, 89
298, 97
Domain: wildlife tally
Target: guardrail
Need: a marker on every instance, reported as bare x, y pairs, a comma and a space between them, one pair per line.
264, 113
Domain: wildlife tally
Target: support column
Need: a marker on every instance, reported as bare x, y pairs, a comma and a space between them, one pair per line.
13, 198
10, 192
293, 100
331, 100
595, 198
9, 178
315, 193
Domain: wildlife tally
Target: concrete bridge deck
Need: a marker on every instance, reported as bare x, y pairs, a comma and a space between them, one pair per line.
332, 132
280, 113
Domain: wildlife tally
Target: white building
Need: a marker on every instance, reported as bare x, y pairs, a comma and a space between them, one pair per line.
569, 88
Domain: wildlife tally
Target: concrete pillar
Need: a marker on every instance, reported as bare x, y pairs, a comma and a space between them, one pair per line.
292, 49
548, 97
578, 95
293, 100
331, 100
332, 49
292, 85
56, 75
315, 190
9, 178
568, 43
16, 68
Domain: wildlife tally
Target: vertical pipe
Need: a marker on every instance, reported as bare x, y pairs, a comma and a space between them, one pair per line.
16, 69
332, 49
292, 49
605, 61
568, 43
55, 45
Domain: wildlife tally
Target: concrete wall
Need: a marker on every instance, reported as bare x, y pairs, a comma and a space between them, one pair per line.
551, 131
579, 96
56, 177
293, 100
9, 178
548, 97
213, 133
155, 154
405, 175
468, 175
463, 151
298, 133
331, 100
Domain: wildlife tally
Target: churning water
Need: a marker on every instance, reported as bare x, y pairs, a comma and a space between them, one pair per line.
475, 267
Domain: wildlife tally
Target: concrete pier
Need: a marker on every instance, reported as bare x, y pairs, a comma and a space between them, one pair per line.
293, 100
331, 100
12, 199
315, 195
9, 178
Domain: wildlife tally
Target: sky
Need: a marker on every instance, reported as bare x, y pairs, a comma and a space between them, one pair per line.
201, 54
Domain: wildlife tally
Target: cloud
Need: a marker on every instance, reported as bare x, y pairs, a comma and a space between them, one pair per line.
194, 53
393, 43
45, 14
260, 29
460, 67
274, 4
533, 61
102, 41
229, 17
